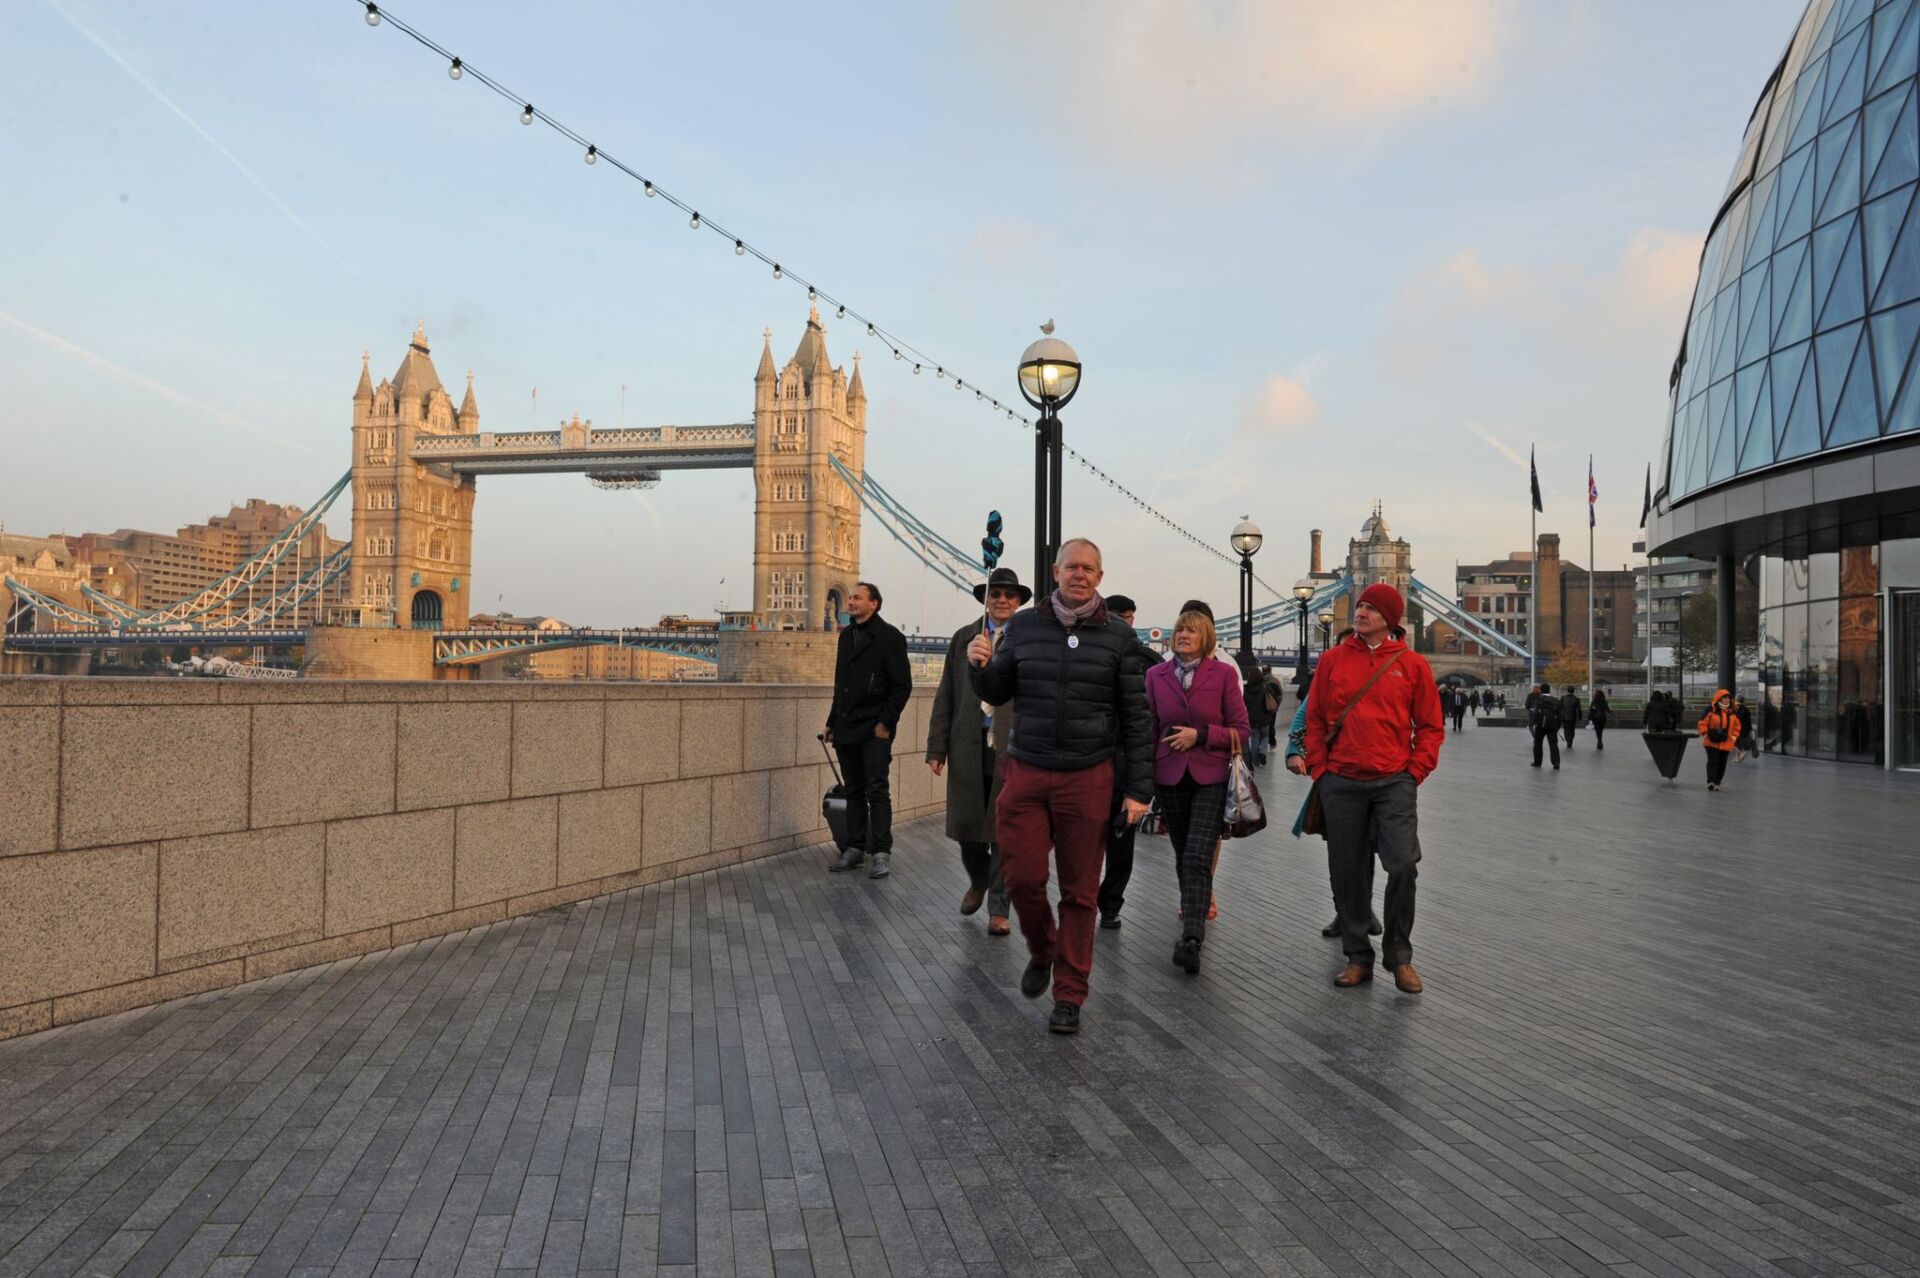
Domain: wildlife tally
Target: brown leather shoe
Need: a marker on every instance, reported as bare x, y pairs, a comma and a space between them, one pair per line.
1354, 974
972, 900
997, 925
1406, 979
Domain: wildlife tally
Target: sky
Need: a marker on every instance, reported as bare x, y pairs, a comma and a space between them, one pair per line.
1311, 256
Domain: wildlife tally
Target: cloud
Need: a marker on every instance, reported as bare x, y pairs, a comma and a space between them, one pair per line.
1498, 445
1182, 81
1007, 241
1281, 404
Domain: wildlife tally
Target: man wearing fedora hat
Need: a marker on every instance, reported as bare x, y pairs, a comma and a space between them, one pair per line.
966, 743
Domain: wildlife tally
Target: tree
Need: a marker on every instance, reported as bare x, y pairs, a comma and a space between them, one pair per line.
1697, 643
1569, 665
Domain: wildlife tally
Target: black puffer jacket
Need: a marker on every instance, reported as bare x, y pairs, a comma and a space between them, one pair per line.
1075, 704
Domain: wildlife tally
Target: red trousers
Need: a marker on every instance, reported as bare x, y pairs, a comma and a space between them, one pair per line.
1067, 813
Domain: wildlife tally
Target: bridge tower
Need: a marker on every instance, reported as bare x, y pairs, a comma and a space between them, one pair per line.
806, 519
412, 523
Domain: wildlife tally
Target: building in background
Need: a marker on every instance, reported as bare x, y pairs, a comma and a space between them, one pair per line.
1792, 448
1499, 595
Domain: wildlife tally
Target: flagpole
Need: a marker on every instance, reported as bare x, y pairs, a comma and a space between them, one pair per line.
1533, 596
1593, 572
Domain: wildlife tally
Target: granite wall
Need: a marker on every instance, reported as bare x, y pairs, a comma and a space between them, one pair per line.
161, 837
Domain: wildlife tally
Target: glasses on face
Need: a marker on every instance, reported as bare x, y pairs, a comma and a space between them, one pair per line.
1003, 594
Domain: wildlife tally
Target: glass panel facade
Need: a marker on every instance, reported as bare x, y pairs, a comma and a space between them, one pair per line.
1817, 252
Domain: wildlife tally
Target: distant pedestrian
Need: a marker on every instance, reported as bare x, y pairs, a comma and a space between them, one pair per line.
1569, 715
1261, 707
871, 684
967, 742
1373, 735
1543, 720
1599, 710
1276, 697
1073, 675
1503, 702
1743, 741
1719, 730
1199, 718
1118, 869
1458, 705
1663, 713
1473, 701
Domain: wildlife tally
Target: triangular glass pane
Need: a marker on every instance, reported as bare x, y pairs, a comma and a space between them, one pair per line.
1906, 413
1720, 462
1880, 222
1901, 283
1885, 24
1903, 51
1828, 242
1807, 97
1877, 123
1796, 204
1845, 87
1839, 170
1725, 314
1719, 419
1833, 355
1847, 299
1756, 316
1823, 37
1786, 369
1900, 161
1756, 449
1760, 230
1683, 446
1736, 229
1857, 416
1801, 431
1790, 286
1893, 333
1697, 468
1852, 14
1746, 395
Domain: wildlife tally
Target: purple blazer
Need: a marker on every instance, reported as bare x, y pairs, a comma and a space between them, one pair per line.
1214, 705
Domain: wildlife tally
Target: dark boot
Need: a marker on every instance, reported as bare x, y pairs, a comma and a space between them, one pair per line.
851, 859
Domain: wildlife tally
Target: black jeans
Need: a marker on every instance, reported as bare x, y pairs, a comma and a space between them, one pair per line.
1568, 728
982, 860
1113, 882
1552, 740
864, 768
1366, 819
1599, 735
1717, 765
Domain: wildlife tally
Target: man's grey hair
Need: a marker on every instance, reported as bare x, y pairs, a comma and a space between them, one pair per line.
1060, 556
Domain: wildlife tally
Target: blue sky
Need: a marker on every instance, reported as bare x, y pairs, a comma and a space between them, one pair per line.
1311, 256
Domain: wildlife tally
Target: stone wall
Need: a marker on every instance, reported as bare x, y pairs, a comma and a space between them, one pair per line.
160, 837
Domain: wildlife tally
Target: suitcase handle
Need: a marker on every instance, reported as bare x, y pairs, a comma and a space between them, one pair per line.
831, 761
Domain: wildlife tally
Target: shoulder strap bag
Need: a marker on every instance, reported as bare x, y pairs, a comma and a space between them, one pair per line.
1313, 819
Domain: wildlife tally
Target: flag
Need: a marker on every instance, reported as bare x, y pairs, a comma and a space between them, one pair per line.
1533, 472
1646, 503
1593, 494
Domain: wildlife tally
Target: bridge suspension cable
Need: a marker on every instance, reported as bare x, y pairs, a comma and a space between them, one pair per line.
933, 551
458, 68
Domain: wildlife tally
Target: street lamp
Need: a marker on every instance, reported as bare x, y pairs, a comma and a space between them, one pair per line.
1326, 630
1246, 540
1049, 375
1302, 591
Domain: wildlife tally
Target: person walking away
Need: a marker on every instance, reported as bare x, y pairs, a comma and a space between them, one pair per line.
1598, 712
1373, 735
1569, 715
1198, 718
1743, 740
1118, 871
1459, 707
1719, 732
967, 746
1297, 764
871, 684
1073, 675
1254, 697
1276, 697
1544, 719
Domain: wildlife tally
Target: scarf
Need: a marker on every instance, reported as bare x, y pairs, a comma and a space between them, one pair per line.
1187, 669
1071, 616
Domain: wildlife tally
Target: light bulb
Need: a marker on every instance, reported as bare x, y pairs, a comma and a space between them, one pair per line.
979, 395
454, 72
897, 355
811, 295
869, 330
649, 187
916, 370
694, 221
777, 272
373, 14
939, 372
841, 313
526, 114
739, 249
593, 153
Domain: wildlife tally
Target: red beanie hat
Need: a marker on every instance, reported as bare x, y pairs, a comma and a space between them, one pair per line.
1386, 601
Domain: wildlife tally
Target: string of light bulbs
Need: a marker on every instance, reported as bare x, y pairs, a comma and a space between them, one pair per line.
901, 349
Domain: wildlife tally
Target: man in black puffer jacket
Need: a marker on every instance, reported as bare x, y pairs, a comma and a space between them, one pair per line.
1077, 682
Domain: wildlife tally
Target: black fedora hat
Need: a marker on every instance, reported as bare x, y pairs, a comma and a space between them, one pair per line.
1003, 577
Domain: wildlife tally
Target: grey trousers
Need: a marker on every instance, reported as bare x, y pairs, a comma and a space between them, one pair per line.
1366, 819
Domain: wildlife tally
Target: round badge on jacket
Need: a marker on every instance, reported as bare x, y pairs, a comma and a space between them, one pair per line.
1073, 641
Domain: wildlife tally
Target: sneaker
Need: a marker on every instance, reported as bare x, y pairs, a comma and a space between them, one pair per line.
1111, 922
1065, 1019
1187, 955
882, 865
851, 859
1034, 981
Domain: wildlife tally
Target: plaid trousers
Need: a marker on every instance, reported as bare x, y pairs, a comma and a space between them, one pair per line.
1194, 814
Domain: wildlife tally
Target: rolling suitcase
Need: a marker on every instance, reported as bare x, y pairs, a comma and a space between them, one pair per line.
833, 805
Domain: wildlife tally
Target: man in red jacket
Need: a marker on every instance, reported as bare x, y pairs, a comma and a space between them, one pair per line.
1373, 735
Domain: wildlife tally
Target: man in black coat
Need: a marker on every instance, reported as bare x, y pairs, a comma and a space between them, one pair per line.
1075, 677
1120, 834
871, 684
1543, 720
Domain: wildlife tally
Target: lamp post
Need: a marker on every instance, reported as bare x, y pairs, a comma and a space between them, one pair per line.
1326, 630
1679, 644
1049, 375
1303, 591
1246, 540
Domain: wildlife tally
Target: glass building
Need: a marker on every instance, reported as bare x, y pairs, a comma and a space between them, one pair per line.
1792, 450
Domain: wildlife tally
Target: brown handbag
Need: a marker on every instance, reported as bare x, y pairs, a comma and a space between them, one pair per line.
1314, 819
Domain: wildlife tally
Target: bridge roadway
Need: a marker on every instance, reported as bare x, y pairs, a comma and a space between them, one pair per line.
1651, 1043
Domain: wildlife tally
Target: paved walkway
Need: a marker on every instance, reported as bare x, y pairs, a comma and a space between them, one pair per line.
1665, 1032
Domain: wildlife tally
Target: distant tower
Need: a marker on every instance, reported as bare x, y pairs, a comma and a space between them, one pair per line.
806, 519
1377, 555
412, 524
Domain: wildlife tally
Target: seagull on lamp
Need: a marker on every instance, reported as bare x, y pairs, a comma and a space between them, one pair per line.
1047, 328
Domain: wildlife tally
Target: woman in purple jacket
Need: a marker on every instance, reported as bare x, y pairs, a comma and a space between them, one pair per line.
1197, 709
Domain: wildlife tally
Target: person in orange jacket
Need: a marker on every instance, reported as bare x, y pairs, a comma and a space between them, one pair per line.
1719, 733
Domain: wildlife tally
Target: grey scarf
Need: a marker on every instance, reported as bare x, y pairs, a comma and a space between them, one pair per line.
1071, 616
1187, 669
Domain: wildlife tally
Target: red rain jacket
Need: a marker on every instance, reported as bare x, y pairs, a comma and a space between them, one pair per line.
1396, 728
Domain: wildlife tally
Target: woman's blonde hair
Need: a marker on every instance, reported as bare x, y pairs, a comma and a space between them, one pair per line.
1202, 623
